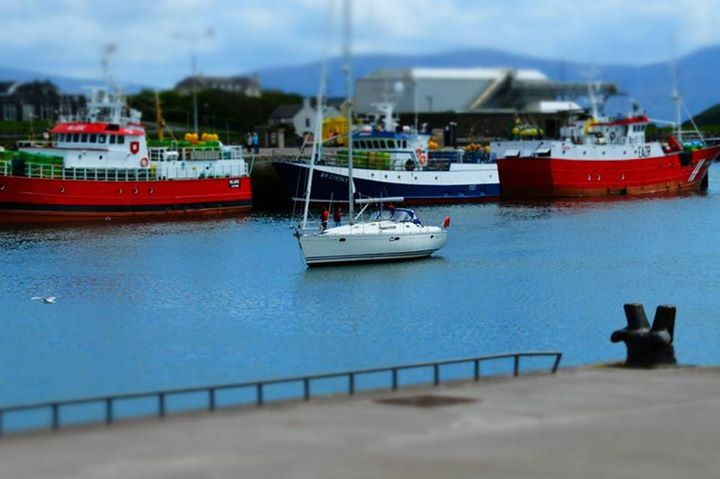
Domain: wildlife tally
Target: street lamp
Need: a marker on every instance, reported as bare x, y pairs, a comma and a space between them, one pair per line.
193, 38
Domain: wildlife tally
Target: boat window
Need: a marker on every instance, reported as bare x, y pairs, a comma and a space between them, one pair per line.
112, 139
83, 138
93, 138
364, 145
101, 138
402, 215
391, 144
76, 137
120, 139
376, 144
356, 144
404, 143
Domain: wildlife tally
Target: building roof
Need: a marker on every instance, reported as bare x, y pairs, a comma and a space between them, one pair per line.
460, 74
7, 87
285, 111
203, 81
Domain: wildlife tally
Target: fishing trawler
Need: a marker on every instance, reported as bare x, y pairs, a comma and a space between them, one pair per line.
601, 156
98, 166
396, 161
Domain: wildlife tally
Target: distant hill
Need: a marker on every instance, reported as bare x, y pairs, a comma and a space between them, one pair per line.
651, 84
709, 117
65, 84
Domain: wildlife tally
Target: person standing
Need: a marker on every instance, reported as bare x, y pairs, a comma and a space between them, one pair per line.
337, 216
255, 143
248, 142
324, 218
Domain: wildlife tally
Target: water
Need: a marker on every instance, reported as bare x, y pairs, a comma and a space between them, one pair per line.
173, 304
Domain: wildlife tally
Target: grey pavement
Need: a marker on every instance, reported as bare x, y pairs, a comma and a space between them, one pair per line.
587, 423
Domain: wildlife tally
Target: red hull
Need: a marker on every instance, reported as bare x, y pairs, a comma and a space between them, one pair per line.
34, 200
552, 177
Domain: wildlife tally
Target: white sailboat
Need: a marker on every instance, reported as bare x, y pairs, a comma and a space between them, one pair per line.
399, 235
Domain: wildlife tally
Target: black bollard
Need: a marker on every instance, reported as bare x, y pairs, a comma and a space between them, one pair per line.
648, 346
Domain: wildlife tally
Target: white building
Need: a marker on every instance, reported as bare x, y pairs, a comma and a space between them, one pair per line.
302, 117
466, 90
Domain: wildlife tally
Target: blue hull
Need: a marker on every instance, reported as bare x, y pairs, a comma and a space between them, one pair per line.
327, 186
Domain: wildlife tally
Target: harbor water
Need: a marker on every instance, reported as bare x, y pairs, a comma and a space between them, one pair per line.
146, 306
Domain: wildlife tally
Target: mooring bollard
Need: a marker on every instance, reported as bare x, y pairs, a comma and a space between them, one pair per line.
646, 346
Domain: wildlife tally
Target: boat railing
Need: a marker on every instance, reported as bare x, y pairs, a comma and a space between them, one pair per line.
108, 406
188, 171
58, 172
437, 163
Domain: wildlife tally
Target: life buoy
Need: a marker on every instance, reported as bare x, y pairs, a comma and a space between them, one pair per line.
144, 162
134, 147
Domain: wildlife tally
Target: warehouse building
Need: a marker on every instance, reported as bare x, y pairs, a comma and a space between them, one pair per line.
479, 101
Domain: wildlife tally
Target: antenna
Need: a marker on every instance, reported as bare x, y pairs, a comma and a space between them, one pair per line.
676, 92
193, 38
108, 51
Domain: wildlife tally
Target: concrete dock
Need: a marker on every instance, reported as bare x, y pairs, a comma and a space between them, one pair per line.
593, 422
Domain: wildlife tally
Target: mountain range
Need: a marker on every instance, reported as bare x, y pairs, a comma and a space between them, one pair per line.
649, 84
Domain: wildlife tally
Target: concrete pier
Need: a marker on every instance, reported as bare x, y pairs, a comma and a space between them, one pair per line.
591, 422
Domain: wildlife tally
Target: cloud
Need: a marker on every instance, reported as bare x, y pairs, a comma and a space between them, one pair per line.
66, 37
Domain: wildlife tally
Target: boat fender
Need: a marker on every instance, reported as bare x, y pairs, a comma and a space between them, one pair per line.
446, 222
422, 158
144, 162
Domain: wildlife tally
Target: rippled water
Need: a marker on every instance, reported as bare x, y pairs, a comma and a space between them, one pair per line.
155, 305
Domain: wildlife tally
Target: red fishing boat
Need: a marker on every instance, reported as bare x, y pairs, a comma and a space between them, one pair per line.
99, 166
601, 158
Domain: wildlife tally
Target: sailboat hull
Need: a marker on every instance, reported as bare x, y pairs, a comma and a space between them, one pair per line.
331, 248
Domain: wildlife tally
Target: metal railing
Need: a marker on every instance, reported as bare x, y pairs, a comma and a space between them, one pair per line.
109, 402
404, 162
58, 172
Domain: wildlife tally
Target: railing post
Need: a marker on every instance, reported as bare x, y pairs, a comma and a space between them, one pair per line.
161, 404
351, 384
516, 365
436, 374
556, 365
55, 416
259, 394
211, 399
477, 370
306, 389
394, 379
109, 411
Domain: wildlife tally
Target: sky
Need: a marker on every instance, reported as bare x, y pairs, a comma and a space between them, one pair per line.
67, 37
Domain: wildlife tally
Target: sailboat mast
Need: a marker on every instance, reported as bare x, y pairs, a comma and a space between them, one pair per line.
349, 105
317, 139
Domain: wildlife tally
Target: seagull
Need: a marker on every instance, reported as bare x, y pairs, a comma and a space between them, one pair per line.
44, 299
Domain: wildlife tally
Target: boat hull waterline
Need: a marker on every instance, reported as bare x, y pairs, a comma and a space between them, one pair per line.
33, 200
559, 177
422, 187
338, 245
